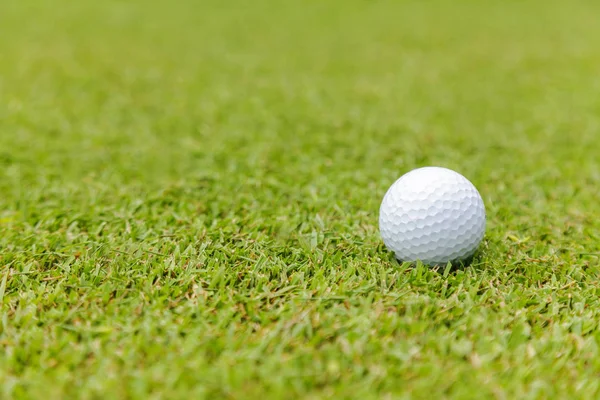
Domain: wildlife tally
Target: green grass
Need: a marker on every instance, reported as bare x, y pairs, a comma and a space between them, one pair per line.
189, 198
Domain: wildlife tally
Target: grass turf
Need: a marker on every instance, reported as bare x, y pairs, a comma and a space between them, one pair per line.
190, 193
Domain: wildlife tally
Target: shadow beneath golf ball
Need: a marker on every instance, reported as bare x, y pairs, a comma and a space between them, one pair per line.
454, 265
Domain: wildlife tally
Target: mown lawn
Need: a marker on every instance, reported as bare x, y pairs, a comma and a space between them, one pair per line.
189, 197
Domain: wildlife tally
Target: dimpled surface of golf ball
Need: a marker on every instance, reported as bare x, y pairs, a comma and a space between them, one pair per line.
434, 215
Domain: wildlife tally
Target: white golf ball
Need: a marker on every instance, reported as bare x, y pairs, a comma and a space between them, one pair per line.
434, 215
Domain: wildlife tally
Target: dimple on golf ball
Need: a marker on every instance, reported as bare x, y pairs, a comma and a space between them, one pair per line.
434, 215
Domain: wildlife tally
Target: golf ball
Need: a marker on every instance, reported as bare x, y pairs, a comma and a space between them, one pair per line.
434, 215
